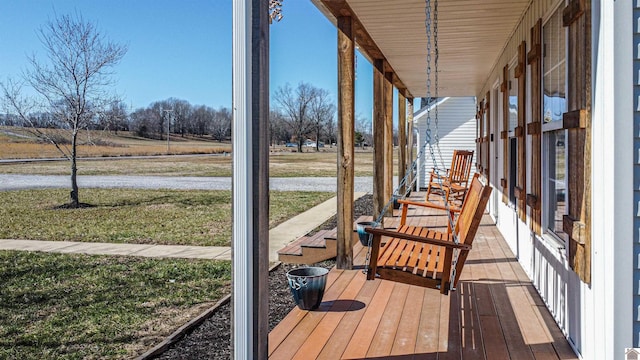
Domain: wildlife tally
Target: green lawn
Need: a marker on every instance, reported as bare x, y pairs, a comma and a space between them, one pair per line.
59, 306
281, 164
173, 217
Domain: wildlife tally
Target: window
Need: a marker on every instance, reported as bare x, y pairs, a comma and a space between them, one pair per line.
554, 105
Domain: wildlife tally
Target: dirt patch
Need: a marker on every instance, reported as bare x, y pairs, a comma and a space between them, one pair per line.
72, 206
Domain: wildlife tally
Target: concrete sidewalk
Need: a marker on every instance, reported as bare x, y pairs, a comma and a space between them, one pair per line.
279, 236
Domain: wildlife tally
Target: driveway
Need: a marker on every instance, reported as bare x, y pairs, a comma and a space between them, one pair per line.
24, 182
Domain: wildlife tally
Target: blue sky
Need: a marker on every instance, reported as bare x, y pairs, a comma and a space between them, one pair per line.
182, 49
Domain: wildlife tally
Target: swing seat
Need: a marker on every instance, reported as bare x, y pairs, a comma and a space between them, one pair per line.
454, 183
420, 256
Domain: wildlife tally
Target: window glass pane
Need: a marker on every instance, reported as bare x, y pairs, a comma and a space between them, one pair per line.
513, 100
556, 180
554, 97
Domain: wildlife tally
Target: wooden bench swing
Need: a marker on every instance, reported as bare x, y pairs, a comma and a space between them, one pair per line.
420, 256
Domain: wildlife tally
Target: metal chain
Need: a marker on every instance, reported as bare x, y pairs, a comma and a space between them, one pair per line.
456, 252
436, 50
431, 103
435, 102
427, 26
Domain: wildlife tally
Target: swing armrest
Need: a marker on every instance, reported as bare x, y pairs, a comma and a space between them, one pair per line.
454, 209
378, 233
406, 203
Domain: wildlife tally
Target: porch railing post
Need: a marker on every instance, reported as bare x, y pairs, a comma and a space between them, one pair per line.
378, 137
388, 139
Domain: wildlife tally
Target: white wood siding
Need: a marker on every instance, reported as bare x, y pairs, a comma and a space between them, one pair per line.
456, 129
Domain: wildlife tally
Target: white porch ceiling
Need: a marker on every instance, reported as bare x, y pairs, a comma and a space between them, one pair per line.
471, 36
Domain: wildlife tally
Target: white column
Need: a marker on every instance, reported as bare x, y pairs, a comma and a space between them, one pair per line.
611, 328
250, 179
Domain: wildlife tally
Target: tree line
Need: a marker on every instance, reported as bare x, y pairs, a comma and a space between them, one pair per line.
172, 115
308, 113
298, 115
179, 117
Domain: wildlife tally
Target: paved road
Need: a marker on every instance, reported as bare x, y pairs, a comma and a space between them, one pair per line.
24, 182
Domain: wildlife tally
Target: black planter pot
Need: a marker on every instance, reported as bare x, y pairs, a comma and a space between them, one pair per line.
396, 204
363, 236
307, 286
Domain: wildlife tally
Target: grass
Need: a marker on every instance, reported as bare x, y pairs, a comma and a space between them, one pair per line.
136, 216
60, 306
281, 164
20, 143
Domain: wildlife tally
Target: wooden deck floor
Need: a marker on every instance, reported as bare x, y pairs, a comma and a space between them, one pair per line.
494, 314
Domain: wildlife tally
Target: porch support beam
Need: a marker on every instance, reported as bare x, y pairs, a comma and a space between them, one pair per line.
367, 46
346, 79
378, 137
402, 140
388, 140
250, 234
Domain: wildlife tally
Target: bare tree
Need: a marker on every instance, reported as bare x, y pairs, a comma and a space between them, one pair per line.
73, 85
158, 117
278, 129
321, 113
115, 117
142, 122
363, 126
200, 120
182, 112
296, 106
221, 124
331, 133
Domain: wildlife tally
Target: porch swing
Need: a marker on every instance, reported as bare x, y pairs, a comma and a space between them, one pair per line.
418, 255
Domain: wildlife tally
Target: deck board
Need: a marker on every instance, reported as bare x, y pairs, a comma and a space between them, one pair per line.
337, 343
428, 334
386, 333
315, 342
405, 340
495, 313
365, 332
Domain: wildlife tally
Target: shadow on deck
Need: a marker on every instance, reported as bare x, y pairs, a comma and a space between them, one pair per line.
495, 313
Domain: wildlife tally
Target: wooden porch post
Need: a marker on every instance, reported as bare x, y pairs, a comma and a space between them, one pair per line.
344, 258
250, 179
402, 139
410, 143
378, 138
388, 140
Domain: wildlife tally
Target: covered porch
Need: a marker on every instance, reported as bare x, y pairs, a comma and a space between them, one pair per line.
518, 59
495, 313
